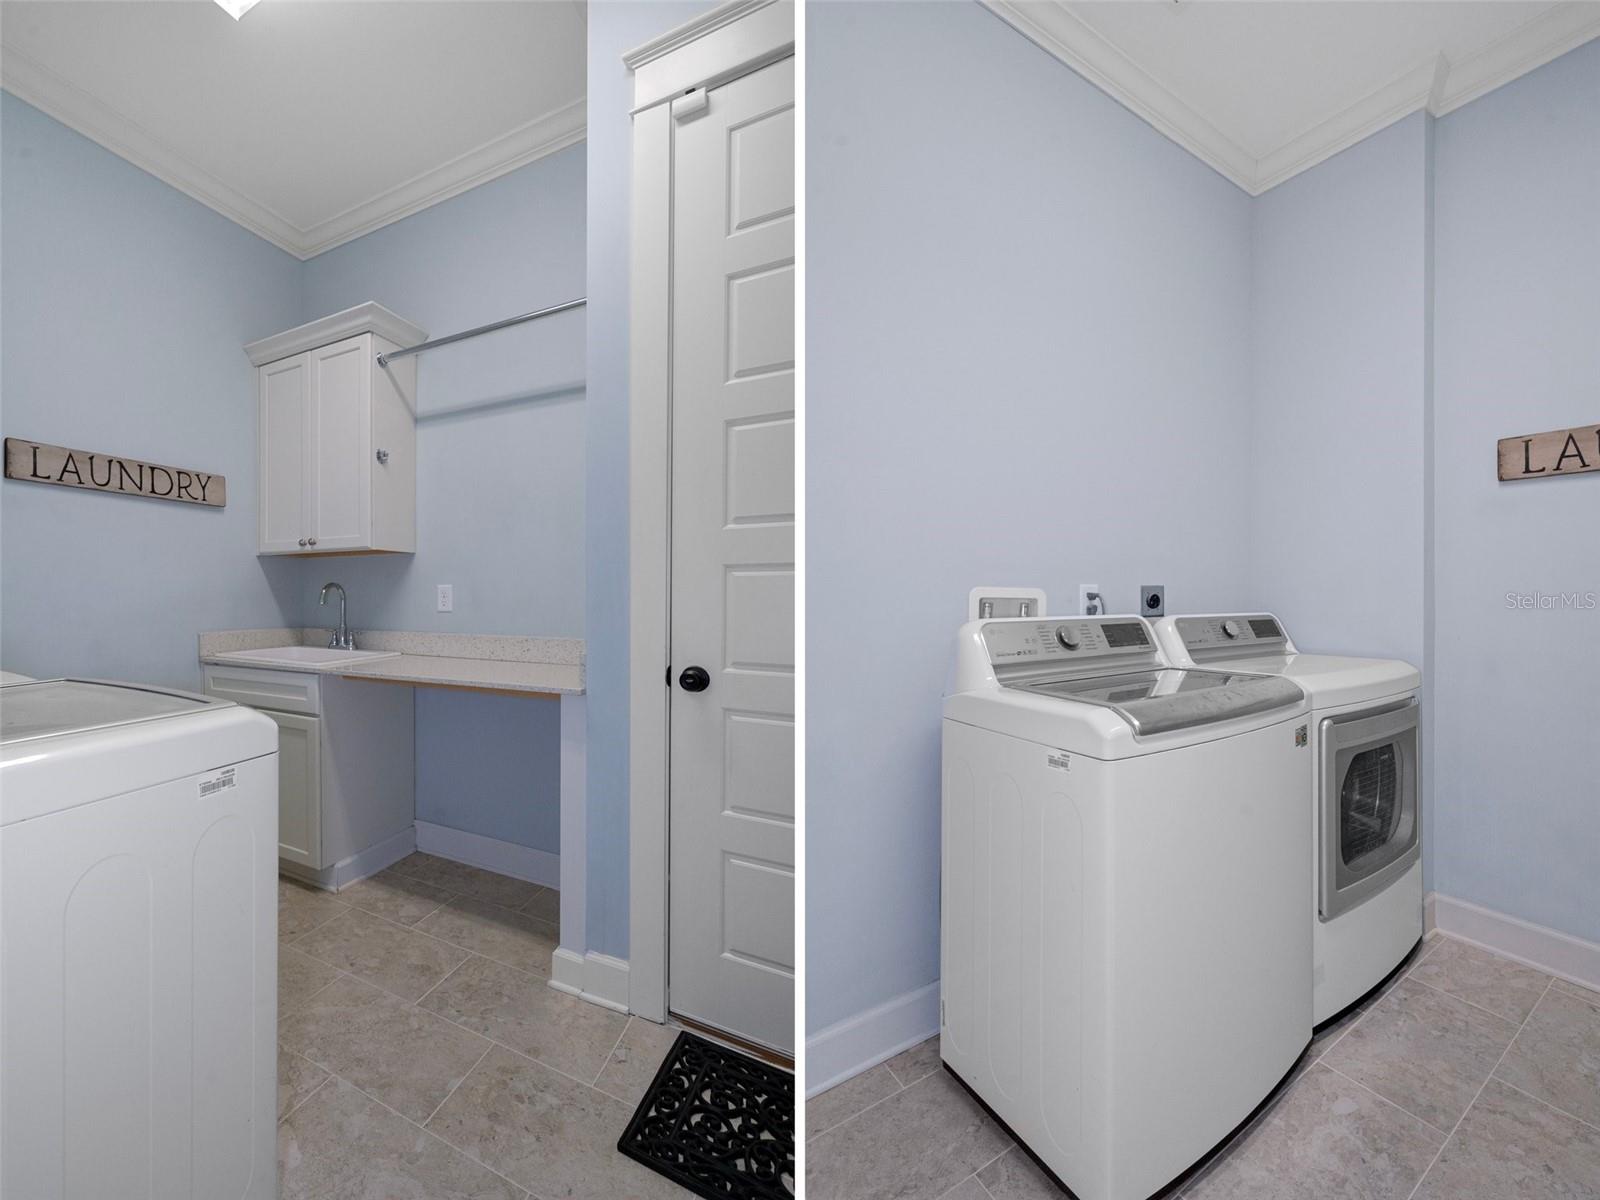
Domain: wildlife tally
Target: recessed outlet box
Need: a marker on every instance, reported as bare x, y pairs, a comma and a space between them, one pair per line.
1153, 599
1090, 601
447, 598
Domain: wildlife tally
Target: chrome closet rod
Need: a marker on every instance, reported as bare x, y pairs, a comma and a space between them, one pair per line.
383, 359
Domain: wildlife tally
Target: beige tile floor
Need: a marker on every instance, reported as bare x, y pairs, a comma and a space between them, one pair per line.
1467, 1077
423, 1056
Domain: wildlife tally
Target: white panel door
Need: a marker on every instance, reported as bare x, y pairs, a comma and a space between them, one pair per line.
285, 437
299, 788
731, 875
341, 431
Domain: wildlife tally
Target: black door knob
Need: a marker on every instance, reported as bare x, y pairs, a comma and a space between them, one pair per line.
694, 679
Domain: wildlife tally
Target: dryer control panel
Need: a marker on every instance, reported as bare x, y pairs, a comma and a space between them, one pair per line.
1234, 636
1067, 640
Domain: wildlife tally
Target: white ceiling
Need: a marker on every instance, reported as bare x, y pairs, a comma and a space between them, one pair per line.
1263, 89
309, 123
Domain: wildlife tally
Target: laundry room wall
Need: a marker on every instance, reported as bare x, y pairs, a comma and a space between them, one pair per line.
1517, 351
1028, 337
615, 27
1338, 431
126, 306
500, 474
1341, 408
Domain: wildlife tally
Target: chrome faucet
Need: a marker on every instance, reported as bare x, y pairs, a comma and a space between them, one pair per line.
342, 638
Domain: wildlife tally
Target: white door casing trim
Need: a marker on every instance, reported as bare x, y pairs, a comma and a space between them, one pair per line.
598, 978
731, 40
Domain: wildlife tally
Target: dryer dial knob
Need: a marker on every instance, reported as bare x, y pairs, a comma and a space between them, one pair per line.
1232, 629
1067, 636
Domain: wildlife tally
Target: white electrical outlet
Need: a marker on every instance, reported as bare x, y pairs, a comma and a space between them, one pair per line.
1091, 602
447, 598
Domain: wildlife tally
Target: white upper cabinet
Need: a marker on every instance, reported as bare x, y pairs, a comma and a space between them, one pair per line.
338, 437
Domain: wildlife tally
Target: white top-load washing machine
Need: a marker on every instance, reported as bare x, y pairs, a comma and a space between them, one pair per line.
1125, 934
138, 944
1367, 829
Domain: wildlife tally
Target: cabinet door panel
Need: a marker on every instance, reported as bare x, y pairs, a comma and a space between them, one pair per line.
299, 789
285, 436
341, 461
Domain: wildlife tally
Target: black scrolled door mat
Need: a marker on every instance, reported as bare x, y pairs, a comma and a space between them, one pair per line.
717, 1122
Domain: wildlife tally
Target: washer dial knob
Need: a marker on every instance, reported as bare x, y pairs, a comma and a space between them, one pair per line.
1232, 629
1067, 636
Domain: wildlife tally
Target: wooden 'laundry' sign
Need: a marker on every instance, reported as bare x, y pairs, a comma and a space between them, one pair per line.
39, 462
1550, 455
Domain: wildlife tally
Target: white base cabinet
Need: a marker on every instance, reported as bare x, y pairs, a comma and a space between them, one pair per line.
346, 762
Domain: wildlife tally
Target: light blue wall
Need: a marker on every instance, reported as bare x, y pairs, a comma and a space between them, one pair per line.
491, 765
1028, 317
500, 474
500, 494
1517, 351
1339, 436
125, 309
1336, 439
615, 26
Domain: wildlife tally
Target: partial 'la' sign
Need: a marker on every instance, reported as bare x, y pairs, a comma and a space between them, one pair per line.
39, 462
1550, 455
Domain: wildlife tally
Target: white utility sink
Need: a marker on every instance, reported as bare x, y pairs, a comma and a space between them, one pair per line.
306, 656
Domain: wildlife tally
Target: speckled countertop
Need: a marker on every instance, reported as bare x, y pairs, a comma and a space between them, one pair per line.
494, 662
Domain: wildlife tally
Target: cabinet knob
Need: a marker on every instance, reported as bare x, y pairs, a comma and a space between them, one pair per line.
302, 541
383, 456
311, 541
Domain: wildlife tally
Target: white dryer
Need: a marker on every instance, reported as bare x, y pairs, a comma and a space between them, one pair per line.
1125, 934
1366, 821
138, 944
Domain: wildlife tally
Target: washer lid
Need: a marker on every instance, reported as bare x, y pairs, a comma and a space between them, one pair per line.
52, 707
1167, 699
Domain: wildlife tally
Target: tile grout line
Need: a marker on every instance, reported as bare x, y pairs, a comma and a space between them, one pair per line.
436, 1136
1479, 1007
1467, 1111
457, 1085
1398, 1107
417, 1003
853, 1116
606, 1062
1546, 1103
494, 1042
321, 1083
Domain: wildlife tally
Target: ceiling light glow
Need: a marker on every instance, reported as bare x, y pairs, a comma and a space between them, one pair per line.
236, 8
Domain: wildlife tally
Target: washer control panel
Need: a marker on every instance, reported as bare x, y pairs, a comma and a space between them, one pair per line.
1254, 631
1067, 640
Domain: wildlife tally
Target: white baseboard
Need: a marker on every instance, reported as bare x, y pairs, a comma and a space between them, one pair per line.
358, 866
597, 978
492, 854
850, 1046
1548, 950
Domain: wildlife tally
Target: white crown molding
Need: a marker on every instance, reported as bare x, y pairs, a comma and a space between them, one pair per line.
1435, 85
78, 110
370, 317
542, 136
692, 30
1067, 37
1548, 36
81, 111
